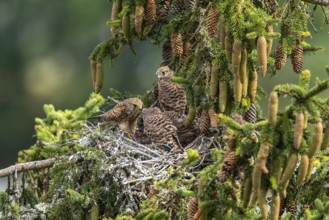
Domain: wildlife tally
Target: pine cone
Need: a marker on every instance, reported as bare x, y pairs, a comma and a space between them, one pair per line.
262, 55
190, 5
271, 6
126, 27
139, 15
176, 44
187, 49
163, 10
230, 161
212, 21
204, 123
166, 52
282, 205
280, 57
99, 79
292, 208
251, 115
177, 6
151, 11
297, 58
192, 208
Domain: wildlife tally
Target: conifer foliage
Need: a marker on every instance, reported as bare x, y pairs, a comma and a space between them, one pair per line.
236, 164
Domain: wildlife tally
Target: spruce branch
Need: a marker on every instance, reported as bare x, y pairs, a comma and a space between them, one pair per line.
317, 89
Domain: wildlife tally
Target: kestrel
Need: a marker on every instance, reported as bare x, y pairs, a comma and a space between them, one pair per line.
125, 114
171, 96
159, 128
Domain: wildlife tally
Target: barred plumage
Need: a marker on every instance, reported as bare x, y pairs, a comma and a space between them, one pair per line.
125, 114
292, 208
297, 58
192, 208
204, 123
151, 15
166, 52
212, 22
280, 57
251, 115
230, 161
159, 128
163, 11
176, 44
176, 7
172, 97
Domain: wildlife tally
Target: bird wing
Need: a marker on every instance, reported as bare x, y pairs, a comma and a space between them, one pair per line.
120, 112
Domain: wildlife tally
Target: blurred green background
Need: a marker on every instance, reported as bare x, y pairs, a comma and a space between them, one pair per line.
44, 49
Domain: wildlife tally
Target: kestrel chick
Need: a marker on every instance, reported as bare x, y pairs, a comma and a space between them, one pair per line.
159, 128
125, 114
171, 96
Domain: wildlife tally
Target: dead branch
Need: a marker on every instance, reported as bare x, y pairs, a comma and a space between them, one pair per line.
318, 2
34, 165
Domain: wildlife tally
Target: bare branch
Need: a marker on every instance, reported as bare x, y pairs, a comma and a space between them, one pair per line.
318, 2
34, 165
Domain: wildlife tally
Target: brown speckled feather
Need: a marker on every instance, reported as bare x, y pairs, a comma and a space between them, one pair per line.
125, 113
159, 128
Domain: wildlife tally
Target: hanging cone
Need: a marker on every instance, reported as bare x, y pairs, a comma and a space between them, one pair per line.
166, 52
99, 77
251, 115
204, 123
116, 8
297, 58
139, 15
151, 11
280, 57
163, 10
243, 71
192, 208
272, 7
93, 70
230, 161
221, 30
270, 41
190, 5
187, 49
252, 86
126, 27
222, 99
262, 55
212, 22
176, 44
214, 80
228, 45
176, 7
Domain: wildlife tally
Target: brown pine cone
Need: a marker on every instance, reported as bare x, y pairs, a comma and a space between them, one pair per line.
272, 6
251, 115
280, 57
230, 161
139, 15
177, 44
166, 52
204, 123
297, 58
177, 6
187, 49
192, 208
163, 10
190, 5
151, 11
212, 21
